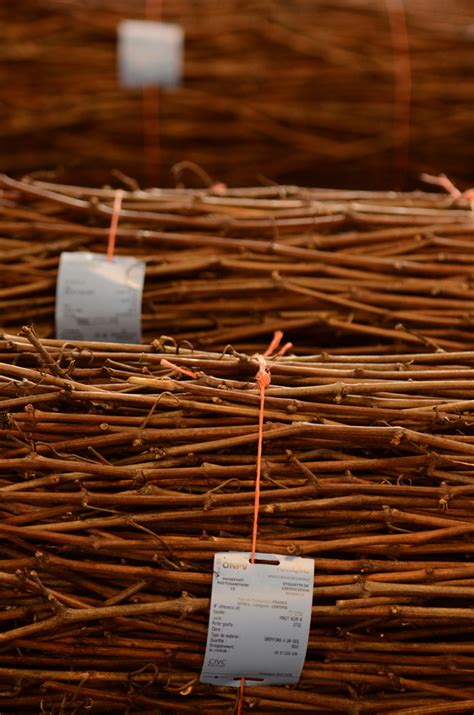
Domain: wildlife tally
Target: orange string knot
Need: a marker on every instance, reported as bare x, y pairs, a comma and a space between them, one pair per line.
263, 377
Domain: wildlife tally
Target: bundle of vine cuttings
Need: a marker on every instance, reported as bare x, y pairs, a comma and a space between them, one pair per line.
307, 91
348, 270
124, 468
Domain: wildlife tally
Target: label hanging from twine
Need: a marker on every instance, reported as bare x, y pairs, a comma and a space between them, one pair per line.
259, 619
98, 299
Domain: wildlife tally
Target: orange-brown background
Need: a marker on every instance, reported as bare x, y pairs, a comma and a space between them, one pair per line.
298, 91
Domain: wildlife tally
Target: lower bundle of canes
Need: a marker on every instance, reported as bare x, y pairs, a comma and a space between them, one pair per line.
120, 477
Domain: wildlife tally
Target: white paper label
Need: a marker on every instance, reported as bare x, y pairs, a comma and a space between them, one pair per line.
259, 619
98, 299
150, 54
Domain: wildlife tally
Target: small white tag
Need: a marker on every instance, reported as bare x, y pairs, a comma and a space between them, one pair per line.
150, 54
98, 299
259, 619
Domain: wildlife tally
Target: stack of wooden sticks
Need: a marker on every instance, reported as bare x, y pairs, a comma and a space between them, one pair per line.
335, 270
120, 478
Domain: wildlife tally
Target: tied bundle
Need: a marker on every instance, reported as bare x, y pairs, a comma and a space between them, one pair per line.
335, 270
124, 468
306, 91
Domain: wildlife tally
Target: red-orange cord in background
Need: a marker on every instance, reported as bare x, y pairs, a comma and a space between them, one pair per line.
402, 73
151, 111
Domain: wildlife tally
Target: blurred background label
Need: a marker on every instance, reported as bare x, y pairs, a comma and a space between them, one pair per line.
150, 54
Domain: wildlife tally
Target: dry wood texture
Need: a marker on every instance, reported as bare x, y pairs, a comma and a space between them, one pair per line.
120, 478
333, 269
301, 91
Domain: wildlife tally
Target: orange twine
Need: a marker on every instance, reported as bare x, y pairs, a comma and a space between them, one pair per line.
263, 380
403, 81
114, 223
445, 183
276, 340
151, 127
172, 366
151, 111
241, 697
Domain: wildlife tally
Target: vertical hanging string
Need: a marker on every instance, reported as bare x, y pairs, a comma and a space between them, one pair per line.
117, 205
240, 702
151, 131
263, 381
402, 90
151, 112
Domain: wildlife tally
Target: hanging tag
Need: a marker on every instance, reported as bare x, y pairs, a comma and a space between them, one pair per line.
98, 299
150, 54
259, 619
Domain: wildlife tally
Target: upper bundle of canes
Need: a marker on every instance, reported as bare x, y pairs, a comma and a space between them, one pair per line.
335, 270
121, 476
308, 91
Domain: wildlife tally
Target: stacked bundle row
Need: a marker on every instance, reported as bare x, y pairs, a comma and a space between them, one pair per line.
120, 477
333, 269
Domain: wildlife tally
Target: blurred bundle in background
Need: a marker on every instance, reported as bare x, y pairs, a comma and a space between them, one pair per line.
125, 467
301, 91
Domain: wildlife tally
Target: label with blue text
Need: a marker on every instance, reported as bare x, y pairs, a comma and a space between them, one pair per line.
259, 620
